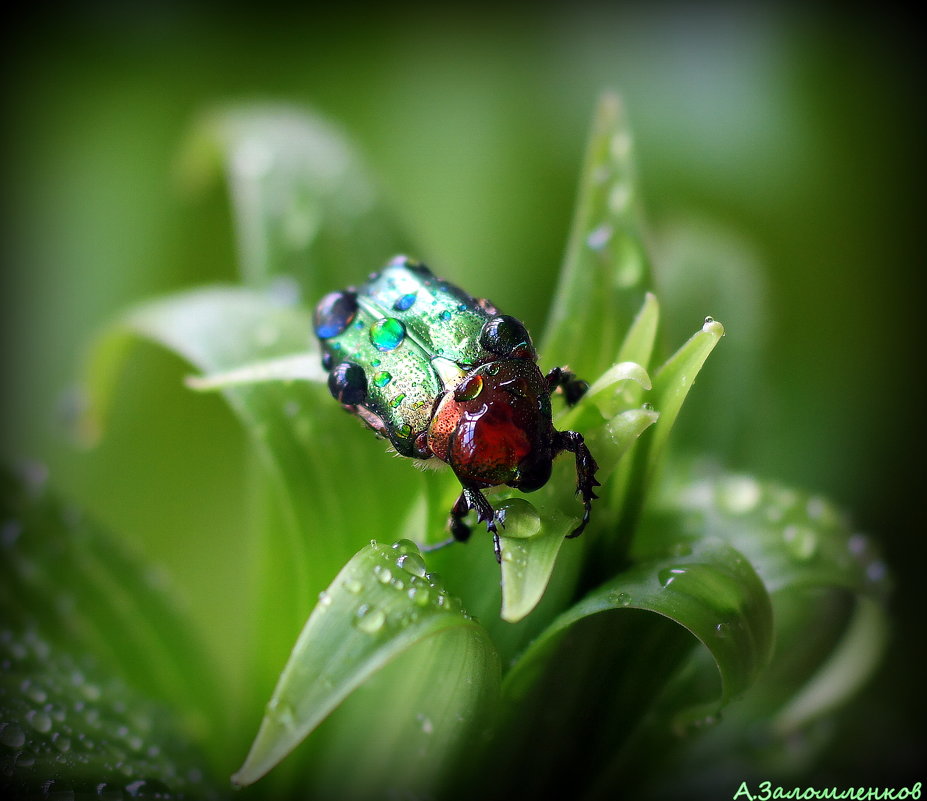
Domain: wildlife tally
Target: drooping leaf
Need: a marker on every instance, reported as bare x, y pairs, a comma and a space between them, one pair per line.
803, 548
300, 436
304, 204
608, 643
383, 603
606, 271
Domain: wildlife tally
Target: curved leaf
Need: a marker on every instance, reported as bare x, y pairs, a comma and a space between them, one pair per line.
804, 549
611, 645
381, 604
308, 445
304, 203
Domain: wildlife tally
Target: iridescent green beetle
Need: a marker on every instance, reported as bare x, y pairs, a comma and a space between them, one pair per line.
443, 375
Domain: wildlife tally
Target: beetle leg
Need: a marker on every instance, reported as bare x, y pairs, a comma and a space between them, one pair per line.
585, 472
573, 388
472, 498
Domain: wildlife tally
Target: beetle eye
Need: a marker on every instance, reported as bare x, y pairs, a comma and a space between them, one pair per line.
506, 336
348, 383
334, 313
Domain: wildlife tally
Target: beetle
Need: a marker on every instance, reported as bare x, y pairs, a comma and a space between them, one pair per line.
443, 375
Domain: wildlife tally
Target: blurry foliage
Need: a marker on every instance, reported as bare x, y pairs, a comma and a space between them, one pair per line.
794, 131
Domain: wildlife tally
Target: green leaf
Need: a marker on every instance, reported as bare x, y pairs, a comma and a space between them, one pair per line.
380, 605
673, 381
83, 589
312, 452
606, 271
531, 541
671, 385
69, 728
610, 647
303, 201
812, 563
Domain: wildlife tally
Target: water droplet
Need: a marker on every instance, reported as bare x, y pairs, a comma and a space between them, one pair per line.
801, 541
10, 532
722, 631
12, 735
709, 320
620, 145
369, 619
404, 303
876, 571
469, 389
334, 314
821, 511
34, 692
405, 546
281, 713
619, 198
325, 599
397, 400
148, 788
739, 494
427, 727
519, 517
39, 720
420, 596
109, 791
387, 333
353, 586
412, 563
382, 378
62, 742
670, 574
620, 598
383, 573
598, 237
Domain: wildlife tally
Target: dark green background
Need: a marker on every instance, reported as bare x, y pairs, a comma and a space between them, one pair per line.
799, 131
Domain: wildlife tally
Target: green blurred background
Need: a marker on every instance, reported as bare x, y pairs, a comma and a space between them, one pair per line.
798, 133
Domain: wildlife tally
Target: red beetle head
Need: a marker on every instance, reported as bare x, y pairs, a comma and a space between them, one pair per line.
495, 426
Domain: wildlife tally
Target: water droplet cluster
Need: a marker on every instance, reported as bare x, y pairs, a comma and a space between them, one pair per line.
68, 733
396, 590
803, 528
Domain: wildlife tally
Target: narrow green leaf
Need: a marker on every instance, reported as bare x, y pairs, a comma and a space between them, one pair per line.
382, 603
671, 385
299, 367
303, 201
673, 381
532, 539
82, 588
642, 335
606, 271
